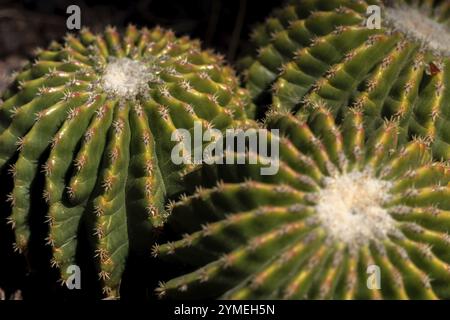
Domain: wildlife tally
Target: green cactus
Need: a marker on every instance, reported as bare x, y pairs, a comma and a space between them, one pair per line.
324, 49
341, 202
95, 116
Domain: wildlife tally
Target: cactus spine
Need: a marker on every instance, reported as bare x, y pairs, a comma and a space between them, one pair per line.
321, 49
342, 201
95, 117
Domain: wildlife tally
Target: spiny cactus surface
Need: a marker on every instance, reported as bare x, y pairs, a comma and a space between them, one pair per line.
95, 115
342, 205
329, 50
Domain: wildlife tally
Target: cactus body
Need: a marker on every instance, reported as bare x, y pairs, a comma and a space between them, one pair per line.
329, 50
95, 117
345, 210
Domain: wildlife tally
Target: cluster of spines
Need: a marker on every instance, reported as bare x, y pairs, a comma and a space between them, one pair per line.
109, 156
252, 236
323, 50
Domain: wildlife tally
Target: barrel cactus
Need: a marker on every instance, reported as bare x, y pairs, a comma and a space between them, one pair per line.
342, 206
332, 50
94, 116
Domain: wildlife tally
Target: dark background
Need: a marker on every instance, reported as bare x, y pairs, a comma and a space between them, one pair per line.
220, 24
24, 25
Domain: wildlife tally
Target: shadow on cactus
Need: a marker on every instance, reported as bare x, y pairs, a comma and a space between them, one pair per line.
342, 204
323, 49
93, 117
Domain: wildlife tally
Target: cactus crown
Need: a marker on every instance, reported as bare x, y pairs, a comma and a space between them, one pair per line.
419, 27
125, 78
350, 208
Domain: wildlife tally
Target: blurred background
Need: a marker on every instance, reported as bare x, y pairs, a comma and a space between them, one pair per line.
221, 24
27, 24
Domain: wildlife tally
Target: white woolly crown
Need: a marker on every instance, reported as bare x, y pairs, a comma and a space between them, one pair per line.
126, 78
420, 27
350, 208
